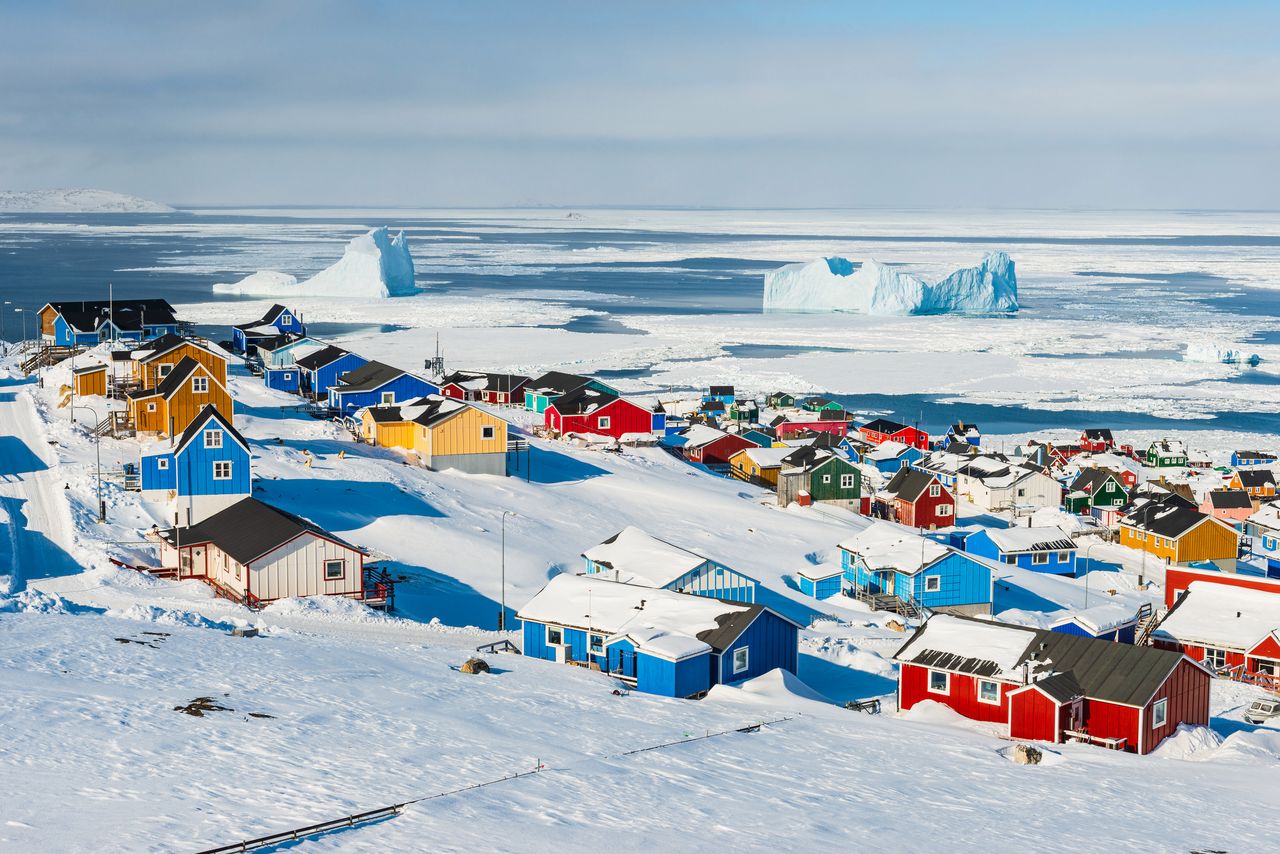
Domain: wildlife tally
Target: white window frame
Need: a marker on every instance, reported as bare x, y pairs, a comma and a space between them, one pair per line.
944, 509
935, 490
604, 422
286, 320
1215, 658
1064, 557
1160, 713
846, 481
1039, 558
388, 398
330, 562
983, 683
163, 370
559, 630
488, 432
213, 438
288, 377
826, 478
151, 407
222, 466
199, 385
745, 653
933, 584
946, 682
595, 644
162, 464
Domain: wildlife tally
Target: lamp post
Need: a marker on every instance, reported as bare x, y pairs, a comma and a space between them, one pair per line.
502, 614
97, 444
7, 303
1089, 564
24, 324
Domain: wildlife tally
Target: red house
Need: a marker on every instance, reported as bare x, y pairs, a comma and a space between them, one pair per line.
1048, 686
916, 498
1097, 440
712, 447
1177, 579
882, 430
589, 410
503, 388
788, 428
1233, 630
462, 385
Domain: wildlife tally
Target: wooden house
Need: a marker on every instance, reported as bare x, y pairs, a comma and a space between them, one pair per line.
1234, 631
994, 483
462, 385
91, 379
781, 400
1260, 484
1096, 440
969, 434
1053, 686
817, 403
254, 554
721, 393
883, 430
820, 582
276, 322
1241, 459
287, 378
711, 447
822, 477
155, 360
1232, 506
886, 561
284, 351
1265, 521
658, 641
89, 322
321, 370
759, 465
1095, 488
633, 556
743, 409
376, 384
765, 437
1179, 534
590, 411
1166, 453
890, 457
797, 422
916, 499
442, 432
541, 392
1045, 549
209, 469
503, 389
177, 400
1177, 579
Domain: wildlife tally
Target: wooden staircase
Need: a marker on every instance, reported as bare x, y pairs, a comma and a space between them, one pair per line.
1148, 619
906, 608
116, 424
43, 355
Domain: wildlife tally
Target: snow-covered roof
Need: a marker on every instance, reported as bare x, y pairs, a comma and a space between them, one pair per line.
1267, 516
886, 450
885, 545
637, 557
700, 434
1030, 539
1106, 617
1000, 645
1222, 615
767, 457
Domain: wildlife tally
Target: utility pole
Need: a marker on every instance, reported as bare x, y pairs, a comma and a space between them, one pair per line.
97, 445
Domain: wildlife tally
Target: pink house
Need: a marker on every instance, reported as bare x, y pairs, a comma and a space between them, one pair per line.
1232, 506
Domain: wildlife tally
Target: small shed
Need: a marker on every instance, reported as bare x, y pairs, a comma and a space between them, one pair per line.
820, 582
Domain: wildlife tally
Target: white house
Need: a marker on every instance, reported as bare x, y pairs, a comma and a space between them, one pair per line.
992, 483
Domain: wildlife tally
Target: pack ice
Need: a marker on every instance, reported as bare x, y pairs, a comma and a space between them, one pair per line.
835, 284
373, 266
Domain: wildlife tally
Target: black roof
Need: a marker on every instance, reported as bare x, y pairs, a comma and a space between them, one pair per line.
209, 413
504, 382
833, 415
1256, 477
556, 381
172, 382
1068, 665
883, 425
320, 358
961, 448
721, 391
460, 377
583, 400
908, 483
266, 320
1255, 455
167, 343
85, 315
1098, 434
368, 377
1089, 480
712, 406
385, 414
248, 529
1165, 518
730, 626
1230, 499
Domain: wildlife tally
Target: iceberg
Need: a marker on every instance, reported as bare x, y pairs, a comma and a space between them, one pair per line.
835, 284
1213, 351
373, 266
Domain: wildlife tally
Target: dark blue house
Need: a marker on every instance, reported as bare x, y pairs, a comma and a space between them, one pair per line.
1107, 622
820, 582
276, 322
321, 369
886, 559
90, 322
1046, 550
376, 384
657, 641
721, 393
283, 379
1251, 458
207, 470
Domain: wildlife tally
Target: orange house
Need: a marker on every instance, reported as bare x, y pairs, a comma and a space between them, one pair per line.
1179, 534
155, 360
91, 380
1259, 483
175, 402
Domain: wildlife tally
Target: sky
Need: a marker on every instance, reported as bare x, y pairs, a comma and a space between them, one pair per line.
709, 104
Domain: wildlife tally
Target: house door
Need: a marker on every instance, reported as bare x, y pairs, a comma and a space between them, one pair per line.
1075, 717
883, 582
626, 664
184, 563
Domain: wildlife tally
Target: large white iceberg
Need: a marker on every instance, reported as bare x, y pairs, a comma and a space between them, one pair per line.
373, 266
834, 284
1214, 351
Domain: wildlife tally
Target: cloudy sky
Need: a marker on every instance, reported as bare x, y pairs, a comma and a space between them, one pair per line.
766, 104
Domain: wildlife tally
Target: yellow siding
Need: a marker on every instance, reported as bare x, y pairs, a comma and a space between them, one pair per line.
183, 406
47, 318
742, 462
148, 422
1208, 541
91, 382
147, 372
462, 434
396, 434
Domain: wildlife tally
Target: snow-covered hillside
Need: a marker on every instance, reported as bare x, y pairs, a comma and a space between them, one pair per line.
376, 265
76, 201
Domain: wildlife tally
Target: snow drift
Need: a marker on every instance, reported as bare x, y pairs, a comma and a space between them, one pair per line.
373, 266
834, 284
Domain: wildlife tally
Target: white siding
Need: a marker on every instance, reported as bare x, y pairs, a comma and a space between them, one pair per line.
297, 569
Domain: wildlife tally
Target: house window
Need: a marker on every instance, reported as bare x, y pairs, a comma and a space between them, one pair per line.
603, 422
1040, 558
944, 509
741, 659
988, 692
388, 398
1215, 658
826, 478
200, 385
213, 438
1159, 714
163, 370
237, 572
1063, 557
932, 583
151, 407
162, 464
597, 644
846, 481
487, 432
934, 490
286, 320
939, 682
334, 570
555, 636
222, 470
1011, 559
288, 377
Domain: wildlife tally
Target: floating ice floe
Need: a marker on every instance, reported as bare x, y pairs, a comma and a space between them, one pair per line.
373, 266
835, 284
1213, 351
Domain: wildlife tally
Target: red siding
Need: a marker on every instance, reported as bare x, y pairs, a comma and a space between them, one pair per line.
624, 417
1187, 690
720, 450
454, 391
1033, 716
1178, 579
787, 428
908, 436
1107, 720
924, 513
1269, 648
913, 687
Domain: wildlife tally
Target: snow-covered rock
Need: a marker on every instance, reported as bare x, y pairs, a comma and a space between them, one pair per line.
373, 266
1215, 351
76, 201
835, 284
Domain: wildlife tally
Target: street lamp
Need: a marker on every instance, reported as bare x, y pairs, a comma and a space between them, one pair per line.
1089, 565
24, 324
97, 444
502, 614
6, 302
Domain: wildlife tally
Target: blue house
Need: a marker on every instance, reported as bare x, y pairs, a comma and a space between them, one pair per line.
632, 556
207, 470
969, 434
90, 322
376, 384
1251, 458
1106, 622
284, 350
820, 582
888, 560
276, 322
721, 393
283, 379
656, 641
890, 456
321, 369
1046, 550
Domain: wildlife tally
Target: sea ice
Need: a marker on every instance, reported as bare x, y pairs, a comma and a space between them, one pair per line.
1214, 351
834, 284
373, 266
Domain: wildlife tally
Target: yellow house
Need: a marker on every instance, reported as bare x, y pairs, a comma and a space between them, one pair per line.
1179, 534
178, 399
759, 465
154, 360
91, 380
444, 433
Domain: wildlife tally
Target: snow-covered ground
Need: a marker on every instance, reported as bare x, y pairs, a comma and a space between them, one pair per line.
76, 201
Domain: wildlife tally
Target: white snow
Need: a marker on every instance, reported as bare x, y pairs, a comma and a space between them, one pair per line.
636, 557
1222, 615
886, 545
76, 201
373, 266
834, 284
1023, 539
1216, 351
1002, 645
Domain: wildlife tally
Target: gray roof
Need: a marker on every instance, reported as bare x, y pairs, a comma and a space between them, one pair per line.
320, 358
909, 484
1230, 499
368, 377
249, 529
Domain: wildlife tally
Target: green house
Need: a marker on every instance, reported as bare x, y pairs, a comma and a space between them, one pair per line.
744, 410
823, 476
818, 404
1166, 453
1095, 487
781, 400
